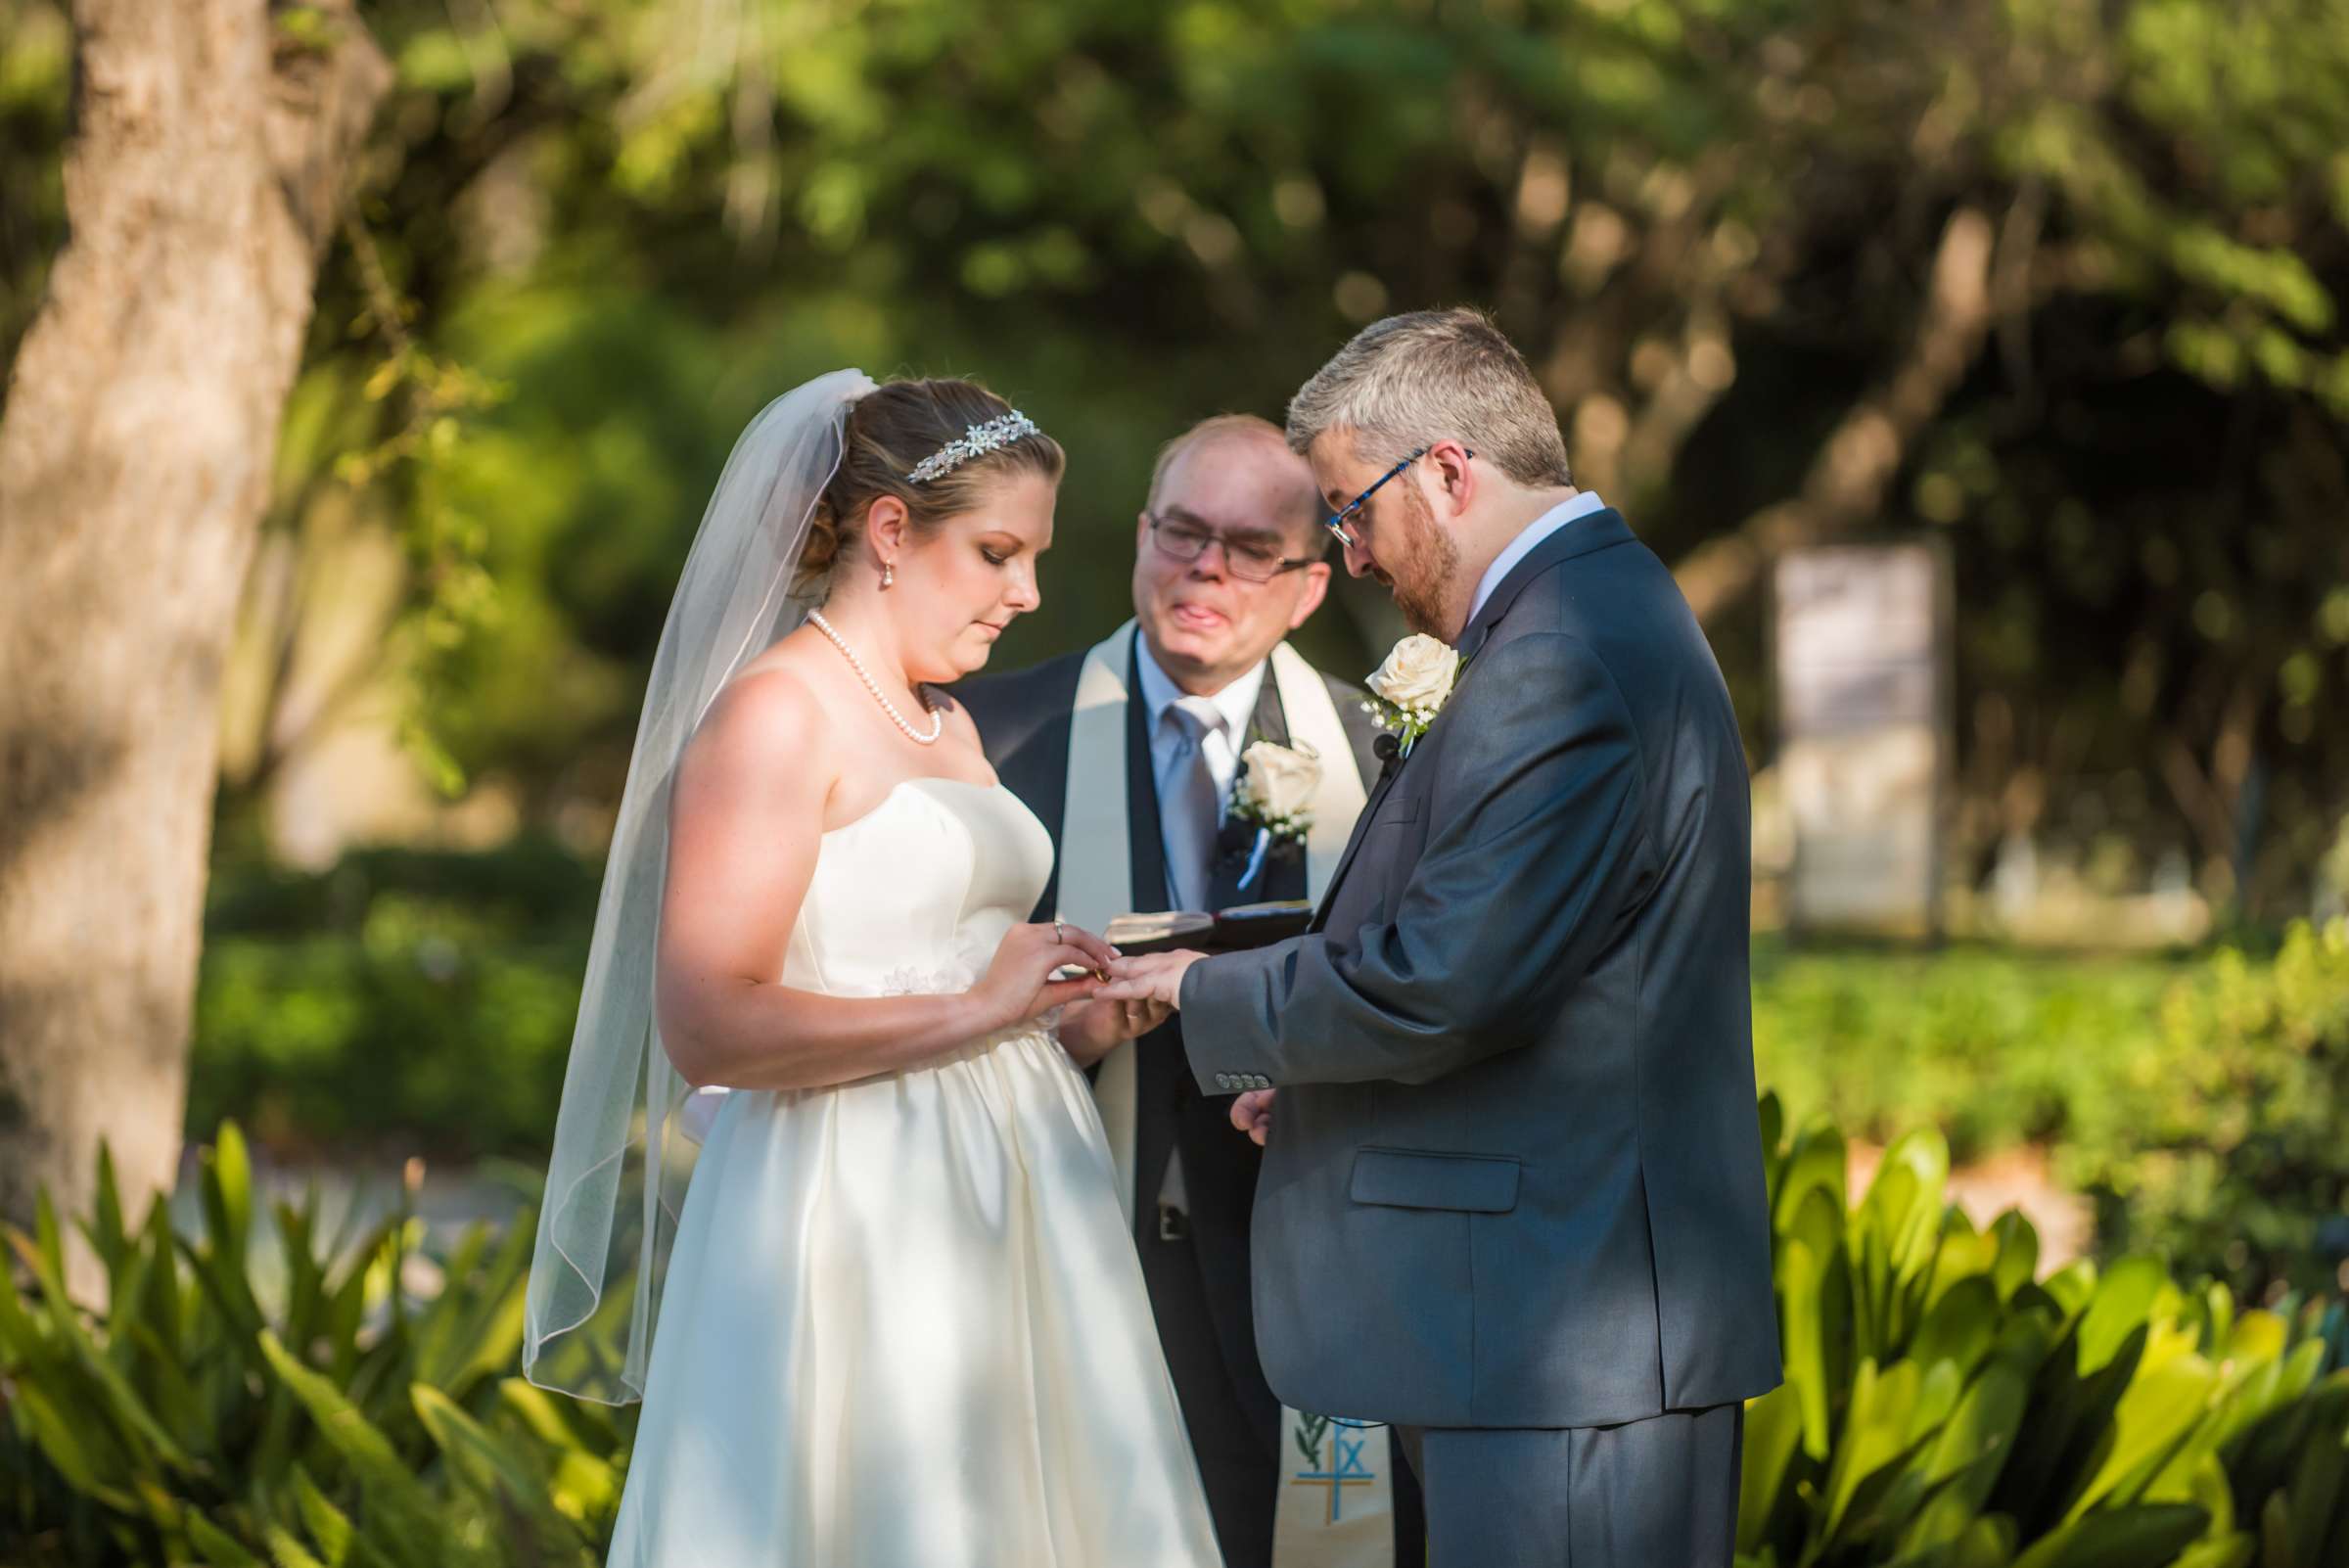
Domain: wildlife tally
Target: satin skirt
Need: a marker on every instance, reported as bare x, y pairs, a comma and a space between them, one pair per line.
903, 1327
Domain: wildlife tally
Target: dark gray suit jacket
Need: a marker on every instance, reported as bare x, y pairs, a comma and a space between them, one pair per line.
1515, 1171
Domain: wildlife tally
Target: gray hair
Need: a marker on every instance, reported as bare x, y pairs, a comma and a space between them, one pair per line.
1431, 376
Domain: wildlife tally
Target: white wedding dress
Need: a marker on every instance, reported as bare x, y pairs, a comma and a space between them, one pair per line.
903, 1324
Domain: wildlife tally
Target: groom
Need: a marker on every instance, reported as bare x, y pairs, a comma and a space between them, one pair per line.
1128, 753
1512, 1197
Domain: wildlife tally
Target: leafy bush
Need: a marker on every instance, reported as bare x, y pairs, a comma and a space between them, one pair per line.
2205, 1105
2225, 1141
409, 999
344, 1422
425, 1032
1942, 1410
1994, 1046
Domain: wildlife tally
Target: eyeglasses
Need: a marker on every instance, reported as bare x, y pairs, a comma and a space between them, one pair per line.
1337, 521
1247, 561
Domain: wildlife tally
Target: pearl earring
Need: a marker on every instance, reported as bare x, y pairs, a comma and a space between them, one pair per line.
889, 574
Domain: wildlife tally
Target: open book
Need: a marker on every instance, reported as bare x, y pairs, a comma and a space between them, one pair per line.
1242, 926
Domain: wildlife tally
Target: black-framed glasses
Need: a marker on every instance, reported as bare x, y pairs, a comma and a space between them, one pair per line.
1337, 522
1246, 560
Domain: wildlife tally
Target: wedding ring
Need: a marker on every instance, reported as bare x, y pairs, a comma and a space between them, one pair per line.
1058, 935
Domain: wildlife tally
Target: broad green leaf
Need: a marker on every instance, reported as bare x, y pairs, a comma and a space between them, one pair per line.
2316, 1517
2124, 1538
1818, 1163
48, 1255
227, 1189
286, 1551
140, 1432
1960, 1328
2118, 1310
104, 1226
2018, 1253
562, 1423
1875, 1433
329, 1527
62, 1444
585, 1489
2225, 1551
218, 1548
1774, 1432
485, 1463
1802, 1324
395, 1496
2072, 1287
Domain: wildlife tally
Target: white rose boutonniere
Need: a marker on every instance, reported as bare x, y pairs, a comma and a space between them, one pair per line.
1275, 795
1411, 687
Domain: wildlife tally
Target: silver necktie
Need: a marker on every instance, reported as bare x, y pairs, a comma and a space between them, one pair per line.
1190, 810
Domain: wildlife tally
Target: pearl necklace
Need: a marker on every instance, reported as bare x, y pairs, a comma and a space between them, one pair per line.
938, 719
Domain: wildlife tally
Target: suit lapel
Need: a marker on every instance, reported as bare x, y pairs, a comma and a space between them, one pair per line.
1595, 532
1387, 776
1271, 722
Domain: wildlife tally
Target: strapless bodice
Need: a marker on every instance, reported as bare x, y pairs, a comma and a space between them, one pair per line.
916, 894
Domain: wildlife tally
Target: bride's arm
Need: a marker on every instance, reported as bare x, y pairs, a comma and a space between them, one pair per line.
746, 822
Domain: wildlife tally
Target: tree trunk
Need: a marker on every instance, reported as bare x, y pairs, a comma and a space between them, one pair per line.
1848, 479
211, 145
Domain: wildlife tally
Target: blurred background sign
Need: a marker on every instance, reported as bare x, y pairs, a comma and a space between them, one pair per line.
1862, 651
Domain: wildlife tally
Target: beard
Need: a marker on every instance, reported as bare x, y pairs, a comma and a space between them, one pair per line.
1422, 572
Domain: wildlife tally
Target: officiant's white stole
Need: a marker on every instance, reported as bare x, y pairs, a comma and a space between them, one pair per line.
1336, 1507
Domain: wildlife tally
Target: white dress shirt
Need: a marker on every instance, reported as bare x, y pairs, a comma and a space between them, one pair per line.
1578, 505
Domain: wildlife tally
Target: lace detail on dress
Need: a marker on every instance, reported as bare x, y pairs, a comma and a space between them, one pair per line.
926, 981
949, 982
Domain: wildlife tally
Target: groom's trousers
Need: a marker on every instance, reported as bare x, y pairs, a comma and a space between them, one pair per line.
1655, 1494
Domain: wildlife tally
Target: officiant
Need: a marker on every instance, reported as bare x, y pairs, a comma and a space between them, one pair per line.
1132, 753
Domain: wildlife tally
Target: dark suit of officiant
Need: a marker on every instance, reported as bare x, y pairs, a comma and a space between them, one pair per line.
1195, 1260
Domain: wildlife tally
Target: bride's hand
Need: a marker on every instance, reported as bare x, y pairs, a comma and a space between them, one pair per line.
1090, 1030
1019, 984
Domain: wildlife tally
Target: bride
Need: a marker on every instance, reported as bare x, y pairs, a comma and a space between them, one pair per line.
899, 1322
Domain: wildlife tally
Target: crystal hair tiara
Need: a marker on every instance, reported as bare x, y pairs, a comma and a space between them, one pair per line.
975, 441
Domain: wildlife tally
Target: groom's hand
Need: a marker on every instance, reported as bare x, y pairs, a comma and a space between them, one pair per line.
1252, 1113
1090, 1030
1151, 976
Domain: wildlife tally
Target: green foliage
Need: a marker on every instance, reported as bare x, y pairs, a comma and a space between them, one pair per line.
2223, 1141
2203, 1104
406, 1001
1942, 1410
235, 1408
1996, 1047
1712, 226
1715, 227
1941, 1406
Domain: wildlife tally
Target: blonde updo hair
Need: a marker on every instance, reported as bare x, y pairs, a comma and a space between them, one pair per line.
889, 431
